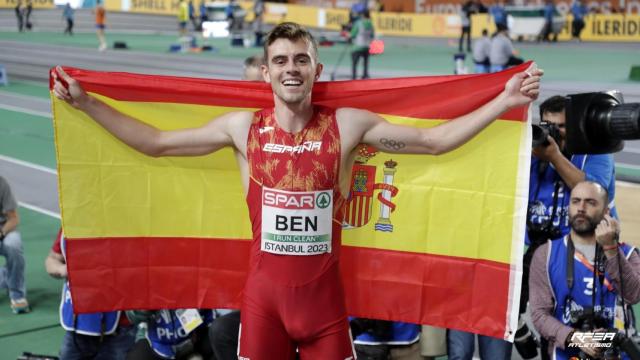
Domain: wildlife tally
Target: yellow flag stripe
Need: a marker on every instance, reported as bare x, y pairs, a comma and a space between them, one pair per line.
104, 183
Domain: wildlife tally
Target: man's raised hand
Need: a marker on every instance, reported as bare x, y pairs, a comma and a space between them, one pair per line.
67, 88
524, 87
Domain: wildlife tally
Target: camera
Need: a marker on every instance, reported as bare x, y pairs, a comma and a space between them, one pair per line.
542, 131
540, 233
597, 123
586, 320
619, 344
622, 342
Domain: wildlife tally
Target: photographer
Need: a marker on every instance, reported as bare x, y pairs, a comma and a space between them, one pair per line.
552, 176
106, 336
554, 173
567, 298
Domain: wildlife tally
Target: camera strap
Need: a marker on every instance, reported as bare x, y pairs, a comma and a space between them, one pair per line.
600, 267
571, 253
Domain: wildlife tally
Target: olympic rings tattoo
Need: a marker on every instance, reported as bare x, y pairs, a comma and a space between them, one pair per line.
392, 144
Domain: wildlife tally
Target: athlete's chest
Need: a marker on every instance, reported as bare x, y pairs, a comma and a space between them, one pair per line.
306, 160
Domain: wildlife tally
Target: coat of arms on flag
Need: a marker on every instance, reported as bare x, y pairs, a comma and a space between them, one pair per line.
360, 201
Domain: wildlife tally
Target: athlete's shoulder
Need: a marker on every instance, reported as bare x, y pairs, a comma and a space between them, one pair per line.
235, 123
354, 117
353, 113
240, 116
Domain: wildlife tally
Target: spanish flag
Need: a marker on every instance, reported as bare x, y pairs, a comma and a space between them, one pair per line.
426, 239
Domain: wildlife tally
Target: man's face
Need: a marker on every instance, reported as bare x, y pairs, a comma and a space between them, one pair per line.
291, 69
587, 208
559, 120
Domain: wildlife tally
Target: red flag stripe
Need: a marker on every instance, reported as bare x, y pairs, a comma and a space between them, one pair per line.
111, 269
385, 96
446, 296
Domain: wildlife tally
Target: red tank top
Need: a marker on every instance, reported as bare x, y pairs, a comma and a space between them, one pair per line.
294, 200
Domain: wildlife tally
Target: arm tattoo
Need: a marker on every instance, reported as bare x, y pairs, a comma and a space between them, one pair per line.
392, 144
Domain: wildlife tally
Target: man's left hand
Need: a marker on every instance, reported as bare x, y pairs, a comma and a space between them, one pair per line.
607, 231
524, 87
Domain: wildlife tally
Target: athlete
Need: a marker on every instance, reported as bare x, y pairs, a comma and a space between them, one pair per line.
295, 161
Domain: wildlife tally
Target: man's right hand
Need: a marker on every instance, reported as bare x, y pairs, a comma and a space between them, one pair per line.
68, 89
547, 152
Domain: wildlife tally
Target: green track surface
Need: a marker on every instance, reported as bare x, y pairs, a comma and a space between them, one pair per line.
627, 171
27, 137
26, 88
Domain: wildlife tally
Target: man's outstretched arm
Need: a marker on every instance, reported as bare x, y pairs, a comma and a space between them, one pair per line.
521, 89
140, 136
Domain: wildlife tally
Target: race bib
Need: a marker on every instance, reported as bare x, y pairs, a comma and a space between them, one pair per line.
296, 223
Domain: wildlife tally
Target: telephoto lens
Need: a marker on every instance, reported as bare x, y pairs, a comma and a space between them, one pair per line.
597, 123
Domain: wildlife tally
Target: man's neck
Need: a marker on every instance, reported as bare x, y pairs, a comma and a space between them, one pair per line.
589, 239
292, 118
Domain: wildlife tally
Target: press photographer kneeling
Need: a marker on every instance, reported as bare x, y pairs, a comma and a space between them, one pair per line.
579, 283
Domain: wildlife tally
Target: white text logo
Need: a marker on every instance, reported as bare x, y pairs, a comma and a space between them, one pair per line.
306, 146
592, 339
263, 130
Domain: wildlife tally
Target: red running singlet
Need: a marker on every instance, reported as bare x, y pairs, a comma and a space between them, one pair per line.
294, 298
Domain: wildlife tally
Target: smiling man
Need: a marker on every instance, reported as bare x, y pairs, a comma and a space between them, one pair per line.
295, 151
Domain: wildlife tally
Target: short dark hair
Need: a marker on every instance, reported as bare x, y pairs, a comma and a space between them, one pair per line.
554, 104
290, 31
